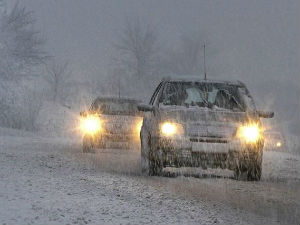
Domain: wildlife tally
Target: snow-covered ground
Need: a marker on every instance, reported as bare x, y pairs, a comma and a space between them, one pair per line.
47, 180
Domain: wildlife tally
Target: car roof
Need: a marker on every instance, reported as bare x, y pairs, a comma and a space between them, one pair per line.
201, 80
117, 99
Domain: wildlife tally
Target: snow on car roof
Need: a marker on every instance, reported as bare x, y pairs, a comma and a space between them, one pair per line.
117, 99
199, 79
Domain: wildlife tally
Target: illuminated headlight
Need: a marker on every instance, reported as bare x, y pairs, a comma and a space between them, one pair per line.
91, 124
139, 124
278, 144
170, 129
250, 133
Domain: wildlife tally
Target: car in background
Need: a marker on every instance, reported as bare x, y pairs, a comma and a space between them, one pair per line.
274, 141
191, 122
111, 123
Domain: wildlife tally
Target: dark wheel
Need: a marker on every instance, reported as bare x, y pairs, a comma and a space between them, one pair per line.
102, 144
249, 167
87, 145
150, 160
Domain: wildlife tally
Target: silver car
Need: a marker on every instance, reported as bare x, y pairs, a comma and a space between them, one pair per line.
202, 123
111, 123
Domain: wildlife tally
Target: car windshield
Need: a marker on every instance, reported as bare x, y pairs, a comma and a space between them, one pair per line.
212, 95
115, 107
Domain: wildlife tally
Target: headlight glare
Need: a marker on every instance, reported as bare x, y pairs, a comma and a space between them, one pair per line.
250, 133
139, 124
278, 144
170, 129
91, 124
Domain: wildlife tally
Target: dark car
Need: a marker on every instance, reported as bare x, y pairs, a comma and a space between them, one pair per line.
191, 122
111, 123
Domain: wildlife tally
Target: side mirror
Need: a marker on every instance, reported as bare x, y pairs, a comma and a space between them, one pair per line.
265, 114
145, 108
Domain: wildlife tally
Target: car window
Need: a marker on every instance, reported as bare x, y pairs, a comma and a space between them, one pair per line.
193, 95
213, 95
115, 107
247, 100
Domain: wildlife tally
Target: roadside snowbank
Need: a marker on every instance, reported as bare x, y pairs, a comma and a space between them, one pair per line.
57, 120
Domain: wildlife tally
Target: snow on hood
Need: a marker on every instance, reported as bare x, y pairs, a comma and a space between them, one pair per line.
195, 113
204, 121
120, 123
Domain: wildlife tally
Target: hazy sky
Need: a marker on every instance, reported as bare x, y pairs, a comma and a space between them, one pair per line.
256, 41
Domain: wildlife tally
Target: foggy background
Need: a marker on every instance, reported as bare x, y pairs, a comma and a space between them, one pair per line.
256, 42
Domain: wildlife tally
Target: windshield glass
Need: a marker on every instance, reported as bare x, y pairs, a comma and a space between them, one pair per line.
212, 95
115, 107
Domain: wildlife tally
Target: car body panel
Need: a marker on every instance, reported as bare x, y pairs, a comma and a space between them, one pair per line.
119, 128
209, 132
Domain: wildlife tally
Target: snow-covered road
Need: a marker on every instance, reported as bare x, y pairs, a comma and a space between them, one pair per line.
49, 181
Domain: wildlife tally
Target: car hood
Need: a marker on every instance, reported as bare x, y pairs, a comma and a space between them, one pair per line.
204, 122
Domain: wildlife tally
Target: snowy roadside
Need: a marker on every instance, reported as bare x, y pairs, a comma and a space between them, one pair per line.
49, 181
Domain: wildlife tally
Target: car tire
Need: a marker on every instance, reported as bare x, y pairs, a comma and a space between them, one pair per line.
249, 168
87, 145
150, 161
102, 144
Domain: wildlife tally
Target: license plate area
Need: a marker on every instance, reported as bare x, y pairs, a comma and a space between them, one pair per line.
210, 147
117, 138
117, 145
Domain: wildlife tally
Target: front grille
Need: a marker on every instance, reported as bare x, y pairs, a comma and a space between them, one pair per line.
116, 128
116, 137
209, 140
196, 130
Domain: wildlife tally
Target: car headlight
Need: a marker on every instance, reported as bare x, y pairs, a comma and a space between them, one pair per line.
91, 124
278, 144
138, 126
170, 129
250, 133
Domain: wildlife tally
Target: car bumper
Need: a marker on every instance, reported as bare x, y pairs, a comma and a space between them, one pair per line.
117, 140
211, 153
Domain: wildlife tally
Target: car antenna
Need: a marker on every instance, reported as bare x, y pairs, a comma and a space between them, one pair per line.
204, 61
119, 86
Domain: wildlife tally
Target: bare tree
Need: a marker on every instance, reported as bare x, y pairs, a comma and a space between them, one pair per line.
58, 75
21, 47
21, 52
138, 47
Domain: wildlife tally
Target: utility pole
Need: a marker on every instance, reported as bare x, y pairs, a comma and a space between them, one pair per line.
204, 62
